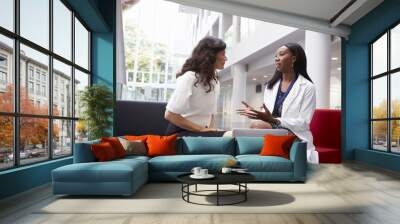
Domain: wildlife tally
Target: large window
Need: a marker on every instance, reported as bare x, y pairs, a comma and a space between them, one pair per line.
44, 64
385, 96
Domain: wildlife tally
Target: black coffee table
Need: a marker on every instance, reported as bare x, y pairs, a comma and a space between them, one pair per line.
238, 179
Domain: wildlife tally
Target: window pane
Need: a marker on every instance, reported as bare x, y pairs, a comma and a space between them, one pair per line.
81, 81
379, 55
33, 139
62, 29
395, 136
35, 21
395, 95
81, 45
62, 141
379, 135
395, 47
62, 89
379, 97
6, 74
7, 14
6, 142
81, 131
34, 97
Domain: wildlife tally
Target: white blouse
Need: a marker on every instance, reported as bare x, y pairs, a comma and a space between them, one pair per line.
193, 102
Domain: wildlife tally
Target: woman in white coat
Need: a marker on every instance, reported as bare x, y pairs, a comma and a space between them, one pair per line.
290, 95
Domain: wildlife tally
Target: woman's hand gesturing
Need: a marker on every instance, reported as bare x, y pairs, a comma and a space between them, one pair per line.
255, 114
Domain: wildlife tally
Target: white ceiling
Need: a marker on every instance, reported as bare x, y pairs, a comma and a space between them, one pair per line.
320, 9
315, 15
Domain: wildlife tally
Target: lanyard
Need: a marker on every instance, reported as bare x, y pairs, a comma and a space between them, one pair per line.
279, 100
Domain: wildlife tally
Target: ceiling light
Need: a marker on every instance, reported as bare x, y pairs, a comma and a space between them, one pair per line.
335, 58
265, 76
254, 79
339, 68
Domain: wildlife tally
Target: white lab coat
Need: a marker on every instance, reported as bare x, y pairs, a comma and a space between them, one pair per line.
297, 111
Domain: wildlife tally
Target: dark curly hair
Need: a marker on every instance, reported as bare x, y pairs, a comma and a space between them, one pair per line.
300, 65
202, 61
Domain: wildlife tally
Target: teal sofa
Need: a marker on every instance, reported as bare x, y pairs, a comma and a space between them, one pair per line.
125, 176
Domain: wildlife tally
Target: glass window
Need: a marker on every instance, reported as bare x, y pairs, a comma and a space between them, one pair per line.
62, 72
154, 78
379, 56
40, 62
146, 77
162, 78
43, 90
30, 88
395, 95
395, 136
395, 47
81, 82
3, 61
130, 76
383, 138
62, 29
6, 142
379, 135
139, 77
34, 21
379, 98
37, 89
30, 72
7, 74
3, 79
7, 14
62, 138
34, 79
33, 140
81, 131
81, 45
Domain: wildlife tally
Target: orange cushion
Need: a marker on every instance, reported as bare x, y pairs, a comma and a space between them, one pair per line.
134, 137
103, 151
277, 145
116, 145
161, 145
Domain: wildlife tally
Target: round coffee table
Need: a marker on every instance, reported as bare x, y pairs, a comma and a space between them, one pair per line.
238, 179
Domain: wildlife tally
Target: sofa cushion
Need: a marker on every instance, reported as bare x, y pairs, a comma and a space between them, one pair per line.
161, 145
116, 145
103, 152
277, 145
257, 163
206, 145
135, 147
112, 171
249, 145
185, 163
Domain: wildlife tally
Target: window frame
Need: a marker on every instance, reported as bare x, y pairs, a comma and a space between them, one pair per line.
16, 114
388, 74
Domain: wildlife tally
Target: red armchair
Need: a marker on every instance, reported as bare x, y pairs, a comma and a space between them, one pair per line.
326, 130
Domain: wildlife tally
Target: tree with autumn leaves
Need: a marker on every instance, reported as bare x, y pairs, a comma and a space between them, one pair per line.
380, 127
33, 130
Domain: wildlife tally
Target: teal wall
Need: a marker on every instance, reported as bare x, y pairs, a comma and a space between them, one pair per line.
355, 85
24, 178
99, 16
103, 51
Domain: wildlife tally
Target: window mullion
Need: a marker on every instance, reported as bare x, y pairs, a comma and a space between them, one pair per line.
16, 84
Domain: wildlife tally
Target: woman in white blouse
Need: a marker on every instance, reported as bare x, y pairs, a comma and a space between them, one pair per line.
193, 105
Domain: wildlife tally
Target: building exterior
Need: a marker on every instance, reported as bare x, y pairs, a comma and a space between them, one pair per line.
34, 81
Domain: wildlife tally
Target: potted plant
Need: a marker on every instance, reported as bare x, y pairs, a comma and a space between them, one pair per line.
96, 102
